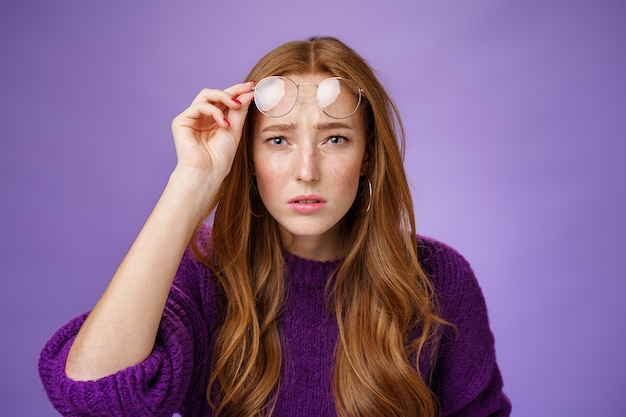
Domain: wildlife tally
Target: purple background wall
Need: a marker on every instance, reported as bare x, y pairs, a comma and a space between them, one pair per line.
516, 119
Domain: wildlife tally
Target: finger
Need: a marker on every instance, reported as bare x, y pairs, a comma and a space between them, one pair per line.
241, 88
228, 97
216, 97
237, 116
196, 115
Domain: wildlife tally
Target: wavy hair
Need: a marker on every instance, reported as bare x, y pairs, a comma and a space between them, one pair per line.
383, 301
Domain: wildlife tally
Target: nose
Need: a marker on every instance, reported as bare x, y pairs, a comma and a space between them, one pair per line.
307, 165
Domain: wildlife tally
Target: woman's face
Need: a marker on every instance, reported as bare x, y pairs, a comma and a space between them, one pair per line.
307, 167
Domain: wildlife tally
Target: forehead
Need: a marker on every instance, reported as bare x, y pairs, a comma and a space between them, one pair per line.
308, 89
314, 78
307, 113
305, 81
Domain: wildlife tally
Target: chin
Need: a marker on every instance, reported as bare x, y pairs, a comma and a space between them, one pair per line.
309, 231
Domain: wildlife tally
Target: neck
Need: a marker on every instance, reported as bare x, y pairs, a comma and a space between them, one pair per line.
326, 247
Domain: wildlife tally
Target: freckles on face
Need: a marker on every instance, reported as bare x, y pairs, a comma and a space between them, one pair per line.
308, 165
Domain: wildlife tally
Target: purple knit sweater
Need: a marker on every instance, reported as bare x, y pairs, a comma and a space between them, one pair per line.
175, 376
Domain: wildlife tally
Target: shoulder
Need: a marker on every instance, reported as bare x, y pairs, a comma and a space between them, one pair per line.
191, 278
453, 278
441, 262
192, 271
466, 377
195, 283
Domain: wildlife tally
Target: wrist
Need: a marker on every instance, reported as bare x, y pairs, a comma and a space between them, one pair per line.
194, 188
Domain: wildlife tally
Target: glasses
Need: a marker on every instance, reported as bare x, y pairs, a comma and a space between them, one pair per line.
338, 97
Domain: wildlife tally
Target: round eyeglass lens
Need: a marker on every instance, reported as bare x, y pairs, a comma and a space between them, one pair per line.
275, 96
338, 97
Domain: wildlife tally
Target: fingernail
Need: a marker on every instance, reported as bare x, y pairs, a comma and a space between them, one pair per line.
226, 121
235, 100
252, 81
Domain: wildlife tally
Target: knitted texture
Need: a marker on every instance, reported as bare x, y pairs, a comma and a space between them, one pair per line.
174, 377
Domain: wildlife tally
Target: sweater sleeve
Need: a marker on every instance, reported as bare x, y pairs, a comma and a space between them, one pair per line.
466, 377
155, 387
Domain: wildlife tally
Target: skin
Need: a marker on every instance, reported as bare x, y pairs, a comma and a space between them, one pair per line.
309, 154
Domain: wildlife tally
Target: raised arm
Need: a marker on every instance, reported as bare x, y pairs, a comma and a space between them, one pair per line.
121, 329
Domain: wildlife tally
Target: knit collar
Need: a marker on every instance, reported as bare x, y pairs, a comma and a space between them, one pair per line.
307, 273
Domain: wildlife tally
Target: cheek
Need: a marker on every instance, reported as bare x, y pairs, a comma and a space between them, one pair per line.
346, 176
267, 180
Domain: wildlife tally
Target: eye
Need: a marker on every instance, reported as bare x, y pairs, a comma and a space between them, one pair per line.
277, 141
337, 140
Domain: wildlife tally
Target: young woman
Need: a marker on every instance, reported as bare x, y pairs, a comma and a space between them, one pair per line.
309, 295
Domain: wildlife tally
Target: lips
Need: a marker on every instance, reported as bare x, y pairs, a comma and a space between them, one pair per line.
307, 199
307, 203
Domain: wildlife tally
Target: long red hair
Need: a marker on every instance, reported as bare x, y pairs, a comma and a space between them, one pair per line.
383, 301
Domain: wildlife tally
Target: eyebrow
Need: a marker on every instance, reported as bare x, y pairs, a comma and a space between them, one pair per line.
319, 126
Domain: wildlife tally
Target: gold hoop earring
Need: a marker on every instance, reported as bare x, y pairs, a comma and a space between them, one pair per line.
369, 203
255, 193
